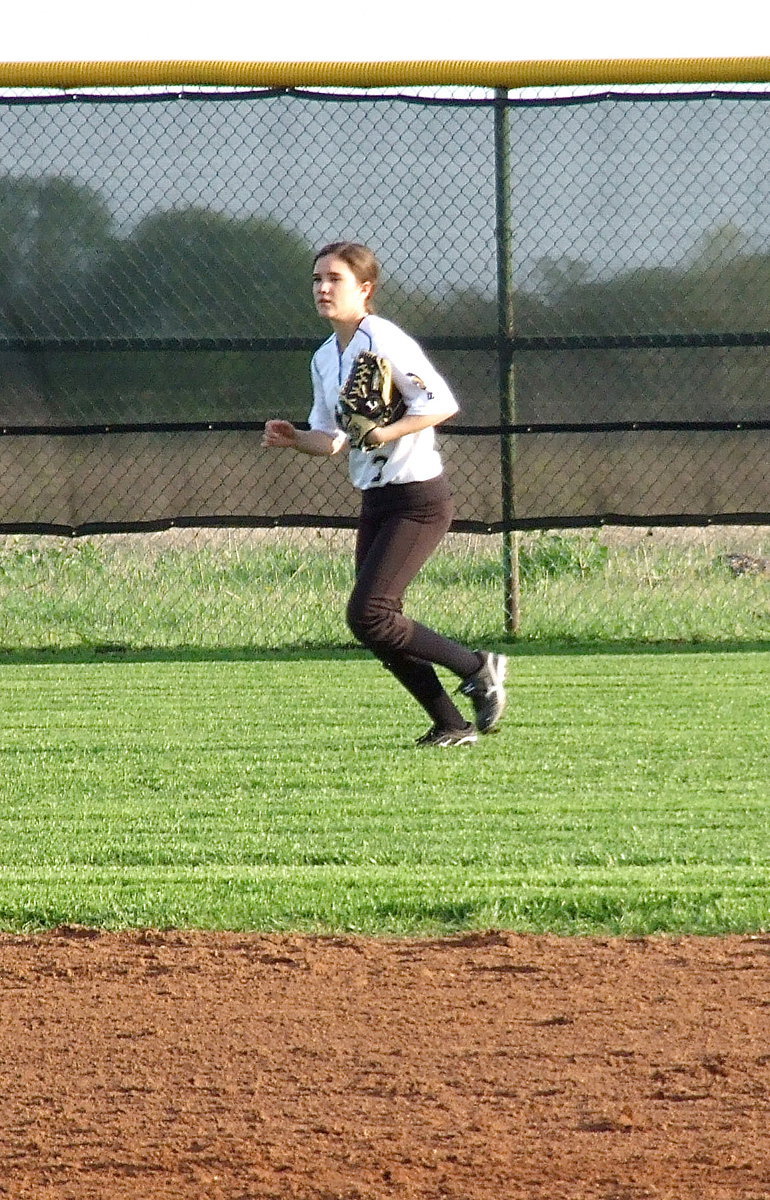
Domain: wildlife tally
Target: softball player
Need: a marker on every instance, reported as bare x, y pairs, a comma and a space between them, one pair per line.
406, 504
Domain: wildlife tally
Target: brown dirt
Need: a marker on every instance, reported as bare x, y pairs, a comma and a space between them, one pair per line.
242, 1067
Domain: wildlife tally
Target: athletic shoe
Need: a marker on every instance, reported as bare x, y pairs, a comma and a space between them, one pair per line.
485, 690
448, 737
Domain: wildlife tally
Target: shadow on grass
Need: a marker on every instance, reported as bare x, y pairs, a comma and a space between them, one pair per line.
519, 648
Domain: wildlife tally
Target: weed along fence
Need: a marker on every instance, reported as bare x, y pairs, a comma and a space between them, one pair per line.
584, 250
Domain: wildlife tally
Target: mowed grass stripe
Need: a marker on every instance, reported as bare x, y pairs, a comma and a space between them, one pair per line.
624, 793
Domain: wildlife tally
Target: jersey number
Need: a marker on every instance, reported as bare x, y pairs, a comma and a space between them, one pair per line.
381, 459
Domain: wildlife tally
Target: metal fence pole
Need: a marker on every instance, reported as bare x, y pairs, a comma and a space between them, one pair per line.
505, 331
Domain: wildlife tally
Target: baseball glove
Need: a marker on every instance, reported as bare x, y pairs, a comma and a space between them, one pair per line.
369, 399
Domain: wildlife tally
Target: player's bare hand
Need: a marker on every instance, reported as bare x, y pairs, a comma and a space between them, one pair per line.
280, 433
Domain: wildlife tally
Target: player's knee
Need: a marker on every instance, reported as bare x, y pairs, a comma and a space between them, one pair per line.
371, 621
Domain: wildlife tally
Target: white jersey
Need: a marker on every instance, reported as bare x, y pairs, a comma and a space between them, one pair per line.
412, 457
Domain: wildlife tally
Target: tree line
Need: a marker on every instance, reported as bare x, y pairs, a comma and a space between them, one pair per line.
67, 272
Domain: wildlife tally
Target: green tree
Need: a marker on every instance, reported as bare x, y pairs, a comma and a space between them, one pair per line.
53, 233
199, 273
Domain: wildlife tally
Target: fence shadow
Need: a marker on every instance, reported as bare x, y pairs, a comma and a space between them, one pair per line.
114, 653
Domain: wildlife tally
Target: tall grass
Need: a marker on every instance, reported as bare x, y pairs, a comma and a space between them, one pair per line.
286, 590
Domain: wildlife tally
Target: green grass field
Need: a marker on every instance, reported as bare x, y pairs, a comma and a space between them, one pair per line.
627, 792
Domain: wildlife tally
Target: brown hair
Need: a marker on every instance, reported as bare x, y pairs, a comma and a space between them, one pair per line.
359, 258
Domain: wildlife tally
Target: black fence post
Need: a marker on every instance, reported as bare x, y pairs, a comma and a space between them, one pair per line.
505, 332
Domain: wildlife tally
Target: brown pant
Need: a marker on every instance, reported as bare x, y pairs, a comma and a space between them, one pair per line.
399, 528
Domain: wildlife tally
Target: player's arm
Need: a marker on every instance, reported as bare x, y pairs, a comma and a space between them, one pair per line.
283, 435
410, 423
427, 395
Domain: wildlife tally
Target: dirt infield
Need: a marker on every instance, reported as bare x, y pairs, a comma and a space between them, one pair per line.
495, 1066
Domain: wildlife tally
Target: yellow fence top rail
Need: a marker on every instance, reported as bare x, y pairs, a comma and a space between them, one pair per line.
72, 75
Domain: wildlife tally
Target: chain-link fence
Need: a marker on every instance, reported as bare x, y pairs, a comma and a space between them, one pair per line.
591, 272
